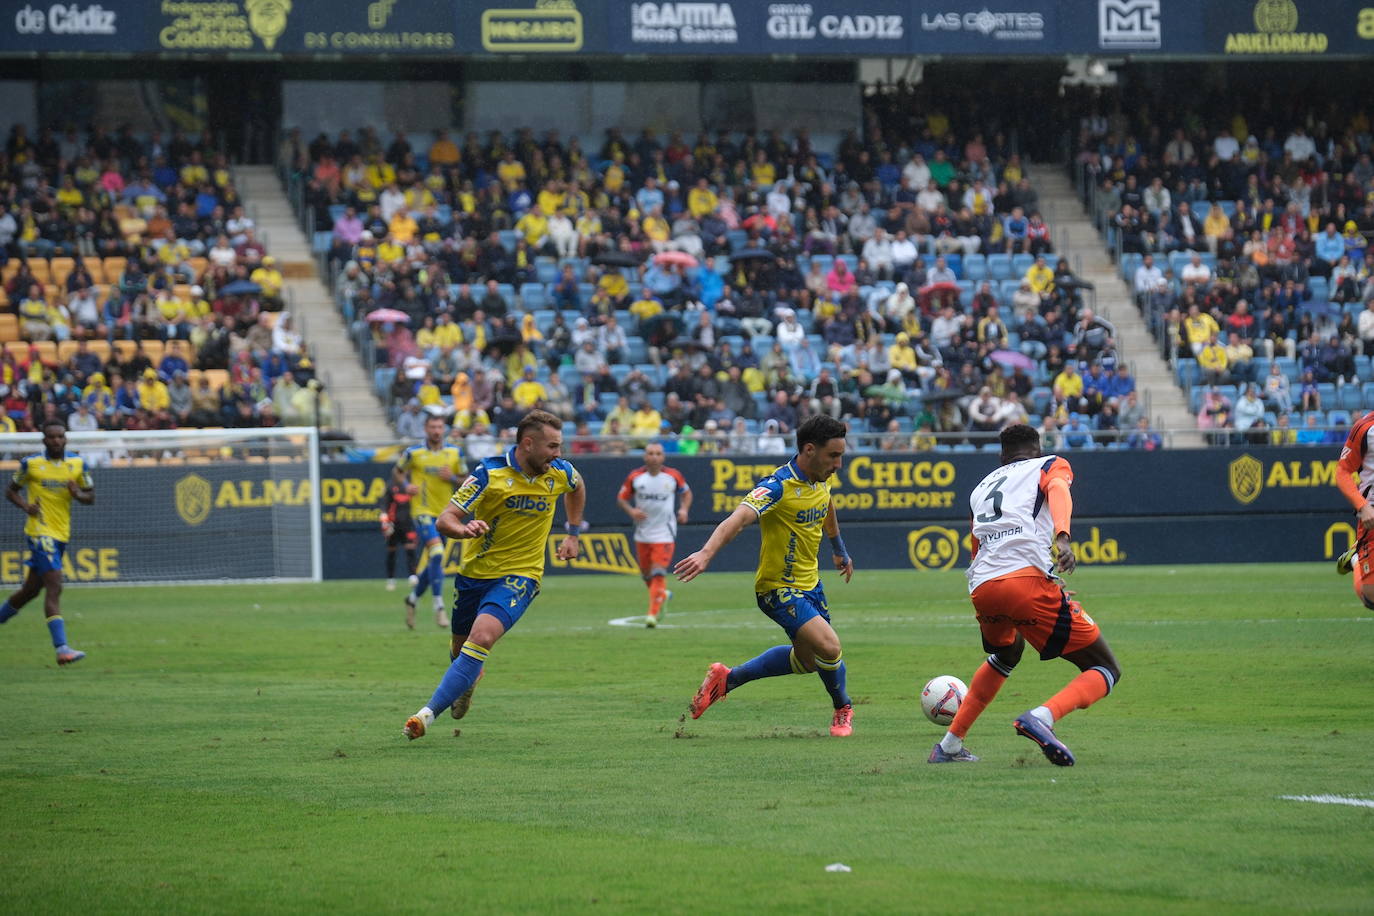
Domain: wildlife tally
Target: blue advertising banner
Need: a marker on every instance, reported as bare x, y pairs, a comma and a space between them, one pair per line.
757, 28
359, 553
1289, 27
910, 510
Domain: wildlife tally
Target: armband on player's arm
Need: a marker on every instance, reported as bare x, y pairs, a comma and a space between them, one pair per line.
575, 530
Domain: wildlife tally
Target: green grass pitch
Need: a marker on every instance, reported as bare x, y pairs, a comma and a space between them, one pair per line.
239, 749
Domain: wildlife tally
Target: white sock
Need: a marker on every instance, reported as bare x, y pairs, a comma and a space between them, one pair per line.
1044, 715
951, 743
426, 716
438, 604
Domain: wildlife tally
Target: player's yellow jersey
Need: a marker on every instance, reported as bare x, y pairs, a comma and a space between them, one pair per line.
423, 465
519, 510
792, 513
46, 483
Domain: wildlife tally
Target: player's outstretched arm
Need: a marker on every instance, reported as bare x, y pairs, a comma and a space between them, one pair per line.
450, 524
574, 502
843, 561
689, 567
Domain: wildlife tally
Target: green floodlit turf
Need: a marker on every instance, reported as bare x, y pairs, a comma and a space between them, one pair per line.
239, 749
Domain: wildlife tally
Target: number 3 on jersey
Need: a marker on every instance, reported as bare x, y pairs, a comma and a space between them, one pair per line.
994, 496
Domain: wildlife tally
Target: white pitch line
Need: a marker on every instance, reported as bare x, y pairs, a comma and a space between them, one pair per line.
1332, 800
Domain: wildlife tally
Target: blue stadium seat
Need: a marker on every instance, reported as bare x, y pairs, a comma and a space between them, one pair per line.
546, 270
999, 266
1289, 365
975, 268
336, 211
1349, 397
533, 296
1020, 263
1338, 418
1367, 395
1186, 373
321, 241
955, 262
1321, 290
508, 238
1327, 391
656, 399
543, 319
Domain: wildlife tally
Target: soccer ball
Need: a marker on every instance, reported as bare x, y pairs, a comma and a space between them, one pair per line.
940, 698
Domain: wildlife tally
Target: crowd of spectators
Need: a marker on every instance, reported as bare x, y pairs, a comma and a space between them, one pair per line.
136, 292
1249, 250
721, 288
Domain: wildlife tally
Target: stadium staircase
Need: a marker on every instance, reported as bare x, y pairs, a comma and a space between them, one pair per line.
1077, 239
309, 301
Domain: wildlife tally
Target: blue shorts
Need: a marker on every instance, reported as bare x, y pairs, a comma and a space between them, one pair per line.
425, 530
791, 608
505, 599
45, 554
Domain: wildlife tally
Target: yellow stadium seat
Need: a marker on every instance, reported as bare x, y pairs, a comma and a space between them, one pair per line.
19, 349
96, 270
198, 266
124, 350
100, 348
218, 377
10, 269
47, 351
9, 327
113, 268
51, 292
60, 268
65, 349
39, 268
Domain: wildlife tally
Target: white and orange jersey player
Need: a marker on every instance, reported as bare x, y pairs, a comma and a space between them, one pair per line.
1355, 480
657, 498
1020, 512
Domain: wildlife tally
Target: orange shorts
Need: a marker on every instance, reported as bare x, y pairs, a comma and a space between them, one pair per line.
1038, 609
654, 557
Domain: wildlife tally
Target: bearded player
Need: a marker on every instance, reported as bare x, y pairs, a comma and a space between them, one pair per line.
794, 508
506, 509
1019, 510
648, 497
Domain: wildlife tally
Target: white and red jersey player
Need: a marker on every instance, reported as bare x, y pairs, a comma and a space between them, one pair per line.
1020, 512
1355, 480
656, 498
1012, 524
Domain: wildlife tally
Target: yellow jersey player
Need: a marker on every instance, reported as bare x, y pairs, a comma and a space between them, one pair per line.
43, 488
793, 506
509, 503
434, 469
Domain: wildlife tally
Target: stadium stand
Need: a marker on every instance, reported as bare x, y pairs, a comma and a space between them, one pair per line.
717, 290
1248, 252
135, 292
